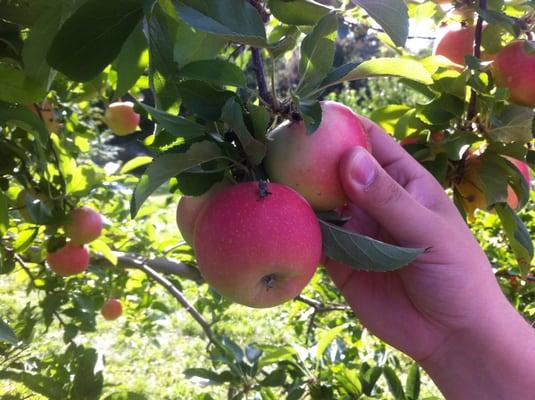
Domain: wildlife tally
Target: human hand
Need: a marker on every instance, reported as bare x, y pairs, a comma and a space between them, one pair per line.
448, 298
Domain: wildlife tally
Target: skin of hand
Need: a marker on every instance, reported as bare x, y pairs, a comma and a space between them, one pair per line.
445, 310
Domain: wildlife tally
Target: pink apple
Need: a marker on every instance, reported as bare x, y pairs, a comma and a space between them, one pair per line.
112, 309
258, 250
514, 68
455, 43
121, 118
512, 198
309, 162
69, 260
85, 225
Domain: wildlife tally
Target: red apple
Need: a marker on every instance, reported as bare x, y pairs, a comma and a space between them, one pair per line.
121, 118
512, 198
455, 43
85, 225
309, 162
258, 247
188, 210
514, 68
112, 309
69, 260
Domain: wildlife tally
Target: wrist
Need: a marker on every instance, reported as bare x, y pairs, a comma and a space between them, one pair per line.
492, 358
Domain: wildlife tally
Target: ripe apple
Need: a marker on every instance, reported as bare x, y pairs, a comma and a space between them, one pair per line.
455, 42
470, 187
258, 244
412, 139
85, 225
112, 309
309, 162
188, 210
514, 68
69, 260
512, 198
121, 118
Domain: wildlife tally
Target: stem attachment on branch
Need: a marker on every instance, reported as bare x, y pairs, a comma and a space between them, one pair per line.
261, 78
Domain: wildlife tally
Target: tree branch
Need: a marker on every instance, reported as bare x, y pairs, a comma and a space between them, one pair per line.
179, 296
258, 67
477, 53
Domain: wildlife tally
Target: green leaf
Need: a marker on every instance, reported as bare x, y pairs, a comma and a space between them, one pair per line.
317, 54
163, 69
17, 87
311, 112
87, 384
277, 355
378, 67
131, 63
92, 37
25, 119
193, 45
134, 163
298, 12
216, 71
101, 247
204, 373
388, 116
234, 20
7, 334
203, 99
391, 15
175, 125
362, 252
326, 338
513, 124
39, 40
169, 165
412, 385
232, 114
394, 384
519, 237
4, 216
42, 385
25, 239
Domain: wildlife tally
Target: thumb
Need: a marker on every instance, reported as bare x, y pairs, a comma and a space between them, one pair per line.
370, 187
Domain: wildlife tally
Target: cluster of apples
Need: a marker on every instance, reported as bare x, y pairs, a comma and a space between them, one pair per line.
513, 67
259, 243
84, 226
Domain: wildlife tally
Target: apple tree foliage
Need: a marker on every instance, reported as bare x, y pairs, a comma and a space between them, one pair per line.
203, 74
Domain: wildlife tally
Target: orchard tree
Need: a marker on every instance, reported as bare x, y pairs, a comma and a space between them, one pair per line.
196, 82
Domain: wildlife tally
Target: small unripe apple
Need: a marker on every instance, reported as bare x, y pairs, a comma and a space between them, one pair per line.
85, 225
121, 118
455, 43
69, 260
514, 68
470, 187
309, 162
112, 309
258, 244
188, 210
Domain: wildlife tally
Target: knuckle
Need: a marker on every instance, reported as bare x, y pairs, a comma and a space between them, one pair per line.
385, 192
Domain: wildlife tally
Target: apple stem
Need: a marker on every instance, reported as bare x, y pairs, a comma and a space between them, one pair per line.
263, 190
477, 53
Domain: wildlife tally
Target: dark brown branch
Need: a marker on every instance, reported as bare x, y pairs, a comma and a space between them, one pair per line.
179, 296
477, 53
322, 307
258, 66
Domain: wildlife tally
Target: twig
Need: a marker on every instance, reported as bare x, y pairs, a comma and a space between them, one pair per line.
477, 53
264, 14
179, 296
322, 307
260, 77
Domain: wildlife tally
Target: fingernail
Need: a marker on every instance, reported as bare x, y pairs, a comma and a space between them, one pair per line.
363, 168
